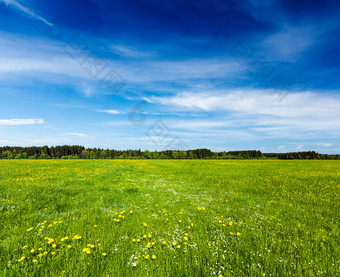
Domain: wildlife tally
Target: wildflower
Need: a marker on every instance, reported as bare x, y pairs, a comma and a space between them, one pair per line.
149, 235
185, 238
180, 221
69, 246
21, 259
32, 250
87, 250
24, 247
145, 224
53, 253
231, 233
133, 240
146, 257
54, 245
154, 257
186, 234
34, 260
174, 243
178, 246
144, 236
39, 249
29, 229
138, 240
238, 233
230, 223
104, 254
77, 237
95, 226
45, 253
40, 255
164, 242
220, 274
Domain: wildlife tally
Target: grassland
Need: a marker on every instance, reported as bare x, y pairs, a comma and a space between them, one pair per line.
169, 218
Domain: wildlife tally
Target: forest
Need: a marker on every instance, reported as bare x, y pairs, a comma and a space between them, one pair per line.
80, 152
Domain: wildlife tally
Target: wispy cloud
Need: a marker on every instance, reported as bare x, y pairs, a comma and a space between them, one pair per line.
130, 52
109, 111
21, 121
76, 134
25, 10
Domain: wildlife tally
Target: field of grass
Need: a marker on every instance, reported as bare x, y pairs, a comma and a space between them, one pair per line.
169, 218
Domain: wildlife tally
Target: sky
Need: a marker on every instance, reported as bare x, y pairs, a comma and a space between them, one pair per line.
171, 74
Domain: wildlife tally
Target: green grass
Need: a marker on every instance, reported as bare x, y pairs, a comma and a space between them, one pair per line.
230, 218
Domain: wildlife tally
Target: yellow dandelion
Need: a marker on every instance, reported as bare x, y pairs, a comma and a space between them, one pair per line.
238, 233
146, 257
174, 243
24, 247
54, 245
21, 259
29, 229
53, 253
32, 250
145, 224
154, 257
104, 254
34, 260
178, 246
164, 242
69, 246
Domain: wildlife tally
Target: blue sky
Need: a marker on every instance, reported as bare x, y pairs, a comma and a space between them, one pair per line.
224, 75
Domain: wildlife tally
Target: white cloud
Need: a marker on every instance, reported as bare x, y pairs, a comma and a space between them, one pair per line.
109, 111
25, 10
21, 121
130, 52
76, 134
290, 42
298, 114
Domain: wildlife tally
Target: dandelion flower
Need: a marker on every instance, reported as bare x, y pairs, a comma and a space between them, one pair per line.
29, 229
32, 251
21, 259
154, 257
34, 260
104, 254
24, 247
174, 243
178, 246
146, 257
69, 246
54, 245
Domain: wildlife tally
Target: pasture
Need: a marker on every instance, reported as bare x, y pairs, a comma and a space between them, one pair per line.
169, 218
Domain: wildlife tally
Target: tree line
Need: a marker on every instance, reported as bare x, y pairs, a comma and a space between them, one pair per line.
80, 152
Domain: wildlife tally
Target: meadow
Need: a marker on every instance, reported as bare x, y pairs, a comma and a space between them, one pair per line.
169, 218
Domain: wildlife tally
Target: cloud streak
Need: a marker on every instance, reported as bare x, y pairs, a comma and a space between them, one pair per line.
13, 122
25, 10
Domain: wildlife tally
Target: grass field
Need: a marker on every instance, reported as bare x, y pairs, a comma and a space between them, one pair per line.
169, 218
